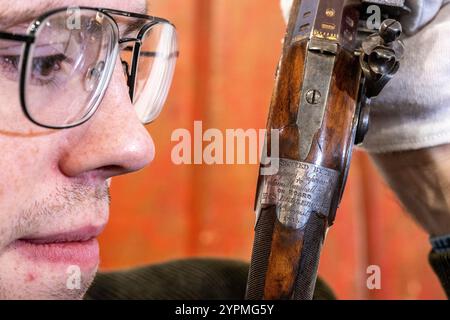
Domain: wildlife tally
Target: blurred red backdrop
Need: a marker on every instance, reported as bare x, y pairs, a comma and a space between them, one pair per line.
225, 75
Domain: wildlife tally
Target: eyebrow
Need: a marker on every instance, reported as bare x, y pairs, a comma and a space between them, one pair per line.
21, 15
130, 27
8, 20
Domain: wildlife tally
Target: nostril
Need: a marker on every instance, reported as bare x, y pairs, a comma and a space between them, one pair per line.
111, 170
115, 142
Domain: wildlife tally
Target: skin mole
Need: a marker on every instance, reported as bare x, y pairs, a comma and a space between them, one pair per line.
30, 277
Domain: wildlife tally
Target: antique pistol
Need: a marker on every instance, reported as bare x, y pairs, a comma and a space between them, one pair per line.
335, 59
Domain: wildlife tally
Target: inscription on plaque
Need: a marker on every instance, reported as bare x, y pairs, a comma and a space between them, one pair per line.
298, 190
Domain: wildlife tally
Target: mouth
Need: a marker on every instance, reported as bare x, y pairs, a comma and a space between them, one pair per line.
76, 247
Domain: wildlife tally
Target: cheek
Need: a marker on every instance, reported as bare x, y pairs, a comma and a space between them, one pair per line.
26, 169
13, 122
24, 279
21, 161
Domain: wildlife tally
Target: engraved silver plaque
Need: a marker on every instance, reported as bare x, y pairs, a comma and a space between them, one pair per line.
298, 190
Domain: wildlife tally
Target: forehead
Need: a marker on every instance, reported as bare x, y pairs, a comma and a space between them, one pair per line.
14, 8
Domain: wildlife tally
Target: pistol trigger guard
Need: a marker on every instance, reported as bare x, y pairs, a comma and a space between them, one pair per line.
363, 124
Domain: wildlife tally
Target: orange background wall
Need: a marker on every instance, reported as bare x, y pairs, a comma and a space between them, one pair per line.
229, 50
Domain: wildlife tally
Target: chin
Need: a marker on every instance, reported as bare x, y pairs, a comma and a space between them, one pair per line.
47, 272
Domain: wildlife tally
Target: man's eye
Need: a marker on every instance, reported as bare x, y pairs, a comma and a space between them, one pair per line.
45, 69
9, 66
11, 60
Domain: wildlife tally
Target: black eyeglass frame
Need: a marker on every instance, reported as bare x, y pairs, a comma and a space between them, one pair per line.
30, 38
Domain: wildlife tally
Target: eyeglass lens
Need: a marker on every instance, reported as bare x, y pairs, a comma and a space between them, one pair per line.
69, 68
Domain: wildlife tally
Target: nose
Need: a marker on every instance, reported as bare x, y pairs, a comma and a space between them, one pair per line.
113, 141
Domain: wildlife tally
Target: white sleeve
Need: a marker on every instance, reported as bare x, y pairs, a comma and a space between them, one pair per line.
286, 8
422, 12
413, 110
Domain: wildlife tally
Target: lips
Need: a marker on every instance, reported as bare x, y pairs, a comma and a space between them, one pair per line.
77, 247
80, 235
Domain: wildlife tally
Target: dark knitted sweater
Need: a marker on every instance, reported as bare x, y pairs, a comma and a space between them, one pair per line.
441, 266
206, 279
193, 279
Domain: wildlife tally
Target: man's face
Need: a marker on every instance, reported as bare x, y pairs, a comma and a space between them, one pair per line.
54, 183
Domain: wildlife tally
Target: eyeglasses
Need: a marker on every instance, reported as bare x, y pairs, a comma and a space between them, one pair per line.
66, 59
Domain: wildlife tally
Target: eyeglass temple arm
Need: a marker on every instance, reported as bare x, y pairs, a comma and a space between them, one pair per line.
16, 37
134, 15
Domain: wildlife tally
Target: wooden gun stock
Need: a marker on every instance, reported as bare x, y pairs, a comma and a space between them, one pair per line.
315, 109
319, 108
